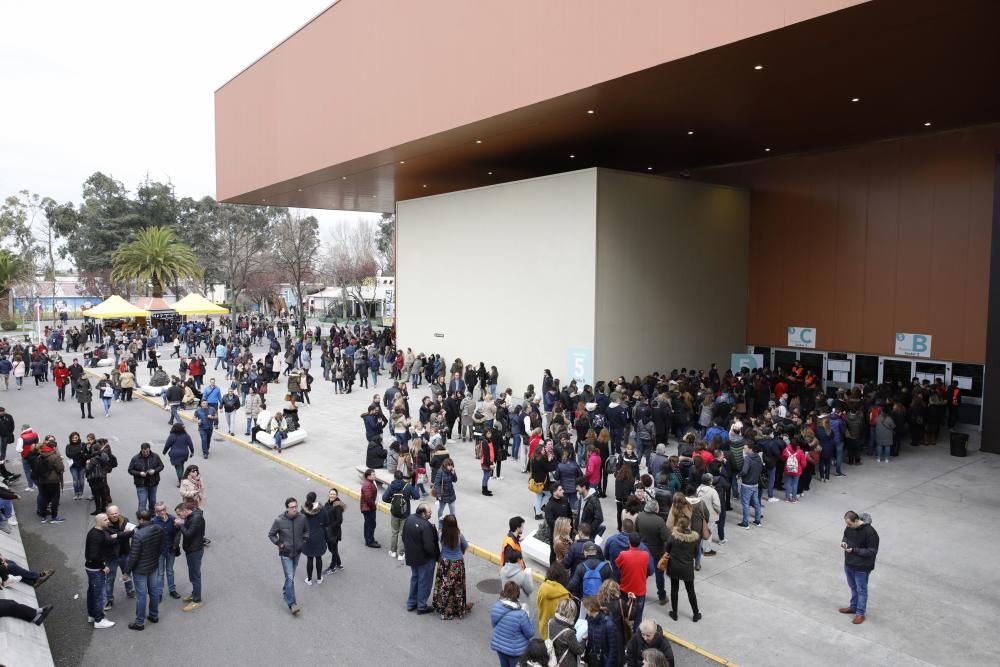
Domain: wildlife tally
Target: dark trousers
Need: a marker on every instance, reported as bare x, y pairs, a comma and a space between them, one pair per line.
17, 610
48, 494
334, 547
369, 527
89, 413
689, 586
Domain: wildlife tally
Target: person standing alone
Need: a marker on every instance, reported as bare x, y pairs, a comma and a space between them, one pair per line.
860, 545
289, 533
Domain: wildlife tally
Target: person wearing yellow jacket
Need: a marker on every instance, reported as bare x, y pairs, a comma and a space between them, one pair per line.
550, 593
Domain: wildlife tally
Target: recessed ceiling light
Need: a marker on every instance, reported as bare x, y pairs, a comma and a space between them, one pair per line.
690, 132
479, 141
264, 199
855, 99
767, 150
489, 173
425, 185
300, 189
649, 169
590, 111
758, 67
927, 124
572, 156
402, 162
343, 178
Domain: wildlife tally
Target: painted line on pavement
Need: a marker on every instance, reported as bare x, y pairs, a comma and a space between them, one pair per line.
485, 554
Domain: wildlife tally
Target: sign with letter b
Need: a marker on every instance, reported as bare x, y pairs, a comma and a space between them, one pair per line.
913, 345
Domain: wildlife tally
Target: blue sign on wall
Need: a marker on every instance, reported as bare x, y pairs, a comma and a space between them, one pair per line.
580, 364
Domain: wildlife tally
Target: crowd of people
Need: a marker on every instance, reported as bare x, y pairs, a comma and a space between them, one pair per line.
745, 435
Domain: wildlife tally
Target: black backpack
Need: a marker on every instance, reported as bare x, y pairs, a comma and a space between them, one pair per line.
398, 502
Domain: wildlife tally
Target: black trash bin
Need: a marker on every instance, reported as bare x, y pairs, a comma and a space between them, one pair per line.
959, 444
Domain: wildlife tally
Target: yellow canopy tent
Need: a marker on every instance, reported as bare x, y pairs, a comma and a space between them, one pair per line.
115, 306
196, 304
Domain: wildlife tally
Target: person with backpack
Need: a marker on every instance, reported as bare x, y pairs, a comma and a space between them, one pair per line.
794, 462
564, 649
588, 576
398, 494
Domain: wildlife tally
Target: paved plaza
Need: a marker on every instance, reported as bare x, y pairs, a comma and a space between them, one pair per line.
772, 593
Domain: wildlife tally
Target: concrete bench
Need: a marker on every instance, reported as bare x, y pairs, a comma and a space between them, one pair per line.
150, 390
537, 550
21, 643
107, 361
290, 440
382, 476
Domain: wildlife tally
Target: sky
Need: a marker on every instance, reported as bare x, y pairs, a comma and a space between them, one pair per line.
126, 88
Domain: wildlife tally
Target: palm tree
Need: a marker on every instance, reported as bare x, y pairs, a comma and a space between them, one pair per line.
13, 269
155, 256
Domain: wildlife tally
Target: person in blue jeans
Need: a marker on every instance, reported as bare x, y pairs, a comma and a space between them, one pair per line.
205, 416
422, 552
190, 523
120, 525
142, 561
289, 532
165, 564
101, 544
753, 466
860, 545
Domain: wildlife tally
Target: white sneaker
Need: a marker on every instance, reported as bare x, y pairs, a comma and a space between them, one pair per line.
498, 477
13, 579
104, 623
12, 521
772, 500
392, 554
90, 619
401, 557
309, 582
319, 581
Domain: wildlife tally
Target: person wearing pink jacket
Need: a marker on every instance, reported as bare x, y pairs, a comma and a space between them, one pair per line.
794, 460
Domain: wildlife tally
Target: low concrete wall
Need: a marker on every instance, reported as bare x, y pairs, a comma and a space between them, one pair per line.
21, 644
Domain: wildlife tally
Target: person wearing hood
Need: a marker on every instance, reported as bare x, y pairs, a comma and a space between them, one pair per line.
682, 545
550, 593
315, 546
860, 546
512, 627
48, 473
567, 649
650, 636
588, 576
514, 570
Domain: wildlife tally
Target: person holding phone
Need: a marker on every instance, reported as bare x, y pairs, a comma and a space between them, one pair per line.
860, 546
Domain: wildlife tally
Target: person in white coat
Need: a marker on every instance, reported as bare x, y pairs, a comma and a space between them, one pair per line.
708, 495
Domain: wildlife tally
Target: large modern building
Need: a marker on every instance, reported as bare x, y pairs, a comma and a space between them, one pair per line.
606, 188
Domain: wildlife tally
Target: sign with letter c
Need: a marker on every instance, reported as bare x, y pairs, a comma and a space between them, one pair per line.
802, 337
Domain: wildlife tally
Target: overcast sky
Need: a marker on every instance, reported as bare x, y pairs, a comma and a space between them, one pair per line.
125, 87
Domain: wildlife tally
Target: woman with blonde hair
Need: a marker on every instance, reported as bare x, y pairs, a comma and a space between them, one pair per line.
562, 631
562, 539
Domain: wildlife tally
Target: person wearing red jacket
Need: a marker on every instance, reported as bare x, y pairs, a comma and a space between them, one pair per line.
794, 460
636, 566
61, 376
369, 493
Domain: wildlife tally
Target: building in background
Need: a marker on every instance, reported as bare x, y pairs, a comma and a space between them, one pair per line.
605, 192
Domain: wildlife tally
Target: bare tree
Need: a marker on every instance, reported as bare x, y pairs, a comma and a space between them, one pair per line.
241, 237
296, 244
351, 262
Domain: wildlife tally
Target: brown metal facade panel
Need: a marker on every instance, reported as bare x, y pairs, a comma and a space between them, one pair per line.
873, 240
367, 76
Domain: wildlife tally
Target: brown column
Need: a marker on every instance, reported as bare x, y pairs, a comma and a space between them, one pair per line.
991, 380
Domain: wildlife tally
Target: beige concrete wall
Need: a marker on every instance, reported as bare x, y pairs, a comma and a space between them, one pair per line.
671, 274
484, 267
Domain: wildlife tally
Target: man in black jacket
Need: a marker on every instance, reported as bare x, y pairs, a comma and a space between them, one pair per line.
191, 524
143, 559
653, 531
590, 510
753, 466
860, 545
101, 548
6, 433
422, 552
118, 524
145, 469
289, 533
